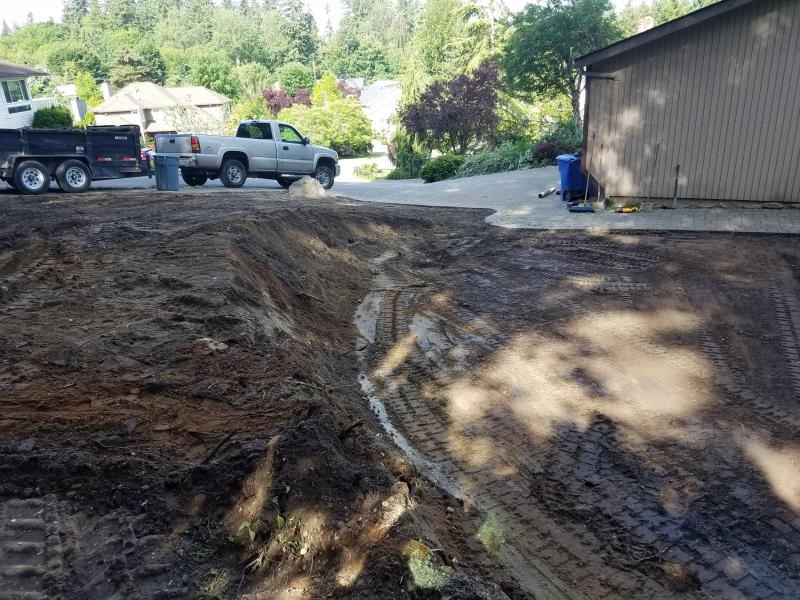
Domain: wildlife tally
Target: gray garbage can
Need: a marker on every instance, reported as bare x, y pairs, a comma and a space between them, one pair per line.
168, 173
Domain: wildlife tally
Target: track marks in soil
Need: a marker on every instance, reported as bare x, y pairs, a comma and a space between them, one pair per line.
583, 501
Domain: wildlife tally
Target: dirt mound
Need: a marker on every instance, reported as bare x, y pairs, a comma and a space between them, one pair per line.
181, 397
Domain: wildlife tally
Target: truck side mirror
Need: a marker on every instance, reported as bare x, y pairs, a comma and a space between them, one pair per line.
306, 141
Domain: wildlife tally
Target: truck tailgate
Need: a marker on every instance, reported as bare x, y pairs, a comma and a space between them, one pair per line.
174, 144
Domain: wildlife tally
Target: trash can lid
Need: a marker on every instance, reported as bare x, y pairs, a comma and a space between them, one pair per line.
567, 158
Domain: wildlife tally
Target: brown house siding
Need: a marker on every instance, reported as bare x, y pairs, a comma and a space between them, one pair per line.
719, 99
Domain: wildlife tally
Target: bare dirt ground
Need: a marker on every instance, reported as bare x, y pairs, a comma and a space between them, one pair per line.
207, 396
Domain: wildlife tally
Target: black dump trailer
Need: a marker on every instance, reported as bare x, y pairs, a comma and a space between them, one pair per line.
30, 158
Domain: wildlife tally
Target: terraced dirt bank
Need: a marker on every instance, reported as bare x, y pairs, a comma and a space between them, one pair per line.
235, 395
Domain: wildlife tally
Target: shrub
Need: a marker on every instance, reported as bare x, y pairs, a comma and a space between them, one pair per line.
406, 154
441, 167
398, 174
566, 137
368, 171
340, 124
503, 158
56, 117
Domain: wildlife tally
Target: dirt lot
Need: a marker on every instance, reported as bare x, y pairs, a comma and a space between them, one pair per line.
237, 395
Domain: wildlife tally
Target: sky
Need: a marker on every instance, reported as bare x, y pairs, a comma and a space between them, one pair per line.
14, 11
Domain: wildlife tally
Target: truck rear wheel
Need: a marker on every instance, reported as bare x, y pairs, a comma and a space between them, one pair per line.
31, 177
233, 173
73, 176
194, 178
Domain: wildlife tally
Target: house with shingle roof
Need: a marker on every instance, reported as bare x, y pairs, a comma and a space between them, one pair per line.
158, 109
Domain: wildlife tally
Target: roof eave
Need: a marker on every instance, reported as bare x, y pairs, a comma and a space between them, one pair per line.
690, 20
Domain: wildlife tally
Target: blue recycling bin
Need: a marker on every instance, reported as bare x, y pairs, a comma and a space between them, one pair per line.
573, 181
168, 173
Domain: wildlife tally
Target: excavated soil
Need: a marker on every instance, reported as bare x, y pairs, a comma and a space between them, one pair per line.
238, 395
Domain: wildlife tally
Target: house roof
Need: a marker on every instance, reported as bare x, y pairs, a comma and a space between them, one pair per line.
152, 96
378, 91
8, 69
712, 11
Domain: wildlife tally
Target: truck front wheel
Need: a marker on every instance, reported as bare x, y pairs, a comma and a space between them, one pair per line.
31, 177
193, 178
233, 174
324, 175
73, 176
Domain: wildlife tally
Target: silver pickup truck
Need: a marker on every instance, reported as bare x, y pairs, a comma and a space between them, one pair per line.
262, 149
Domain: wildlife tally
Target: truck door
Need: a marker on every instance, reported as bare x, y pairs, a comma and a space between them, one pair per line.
294, 155
260, 147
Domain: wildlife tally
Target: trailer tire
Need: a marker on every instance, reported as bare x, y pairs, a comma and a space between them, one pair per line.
233, 173
193, 178
73, 176
31, 178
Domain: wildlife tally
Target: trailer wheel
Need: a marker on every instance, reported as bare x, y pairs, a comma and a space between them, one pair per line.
193, 178
73, 176
31, 177
233, 173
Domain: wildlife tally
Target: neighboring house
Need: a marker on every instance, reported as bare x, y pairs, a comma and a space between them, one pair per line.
708, 103
16, 105
380, 101
159, 109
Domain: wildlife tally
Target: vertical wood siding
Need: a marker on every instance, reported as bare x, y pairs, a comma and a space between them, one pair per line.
719, 99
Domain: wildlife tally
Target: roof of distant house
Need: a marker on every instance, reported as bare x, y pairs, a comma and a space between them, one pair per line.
378, 91
148, 95
8, 69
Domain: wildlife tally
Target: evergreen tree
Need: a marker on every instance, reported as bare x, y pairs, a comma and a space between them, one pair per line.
6, 29
74, 11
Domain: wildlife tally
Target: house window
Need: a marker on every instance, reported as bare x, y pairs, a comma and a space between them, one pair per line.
15, 91
17, 97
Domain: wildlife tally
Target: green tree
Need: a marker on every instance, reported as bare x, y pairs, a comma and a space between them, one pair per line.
301, 31
214, 71
133, 64
351, 56
74, 11
66, 59
540, 53
325, 91
253, 78
660, 11
87, 88
294, 76
6, 30
341, 124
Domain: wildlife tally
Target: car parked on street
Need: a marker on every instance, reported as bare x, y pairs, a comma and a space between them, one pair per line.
260, 149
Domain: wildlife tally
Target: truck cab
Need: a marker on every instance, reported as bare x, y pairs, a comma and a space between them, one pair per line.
261, 149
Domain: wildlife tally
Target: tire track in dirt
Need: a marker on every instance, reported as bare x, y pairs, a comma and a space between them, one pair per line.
544, 557
30, 550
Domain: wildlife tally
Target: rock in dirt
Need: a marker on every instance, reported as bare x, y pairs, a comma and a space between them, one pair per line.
213, 344
465, 587
307, 187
